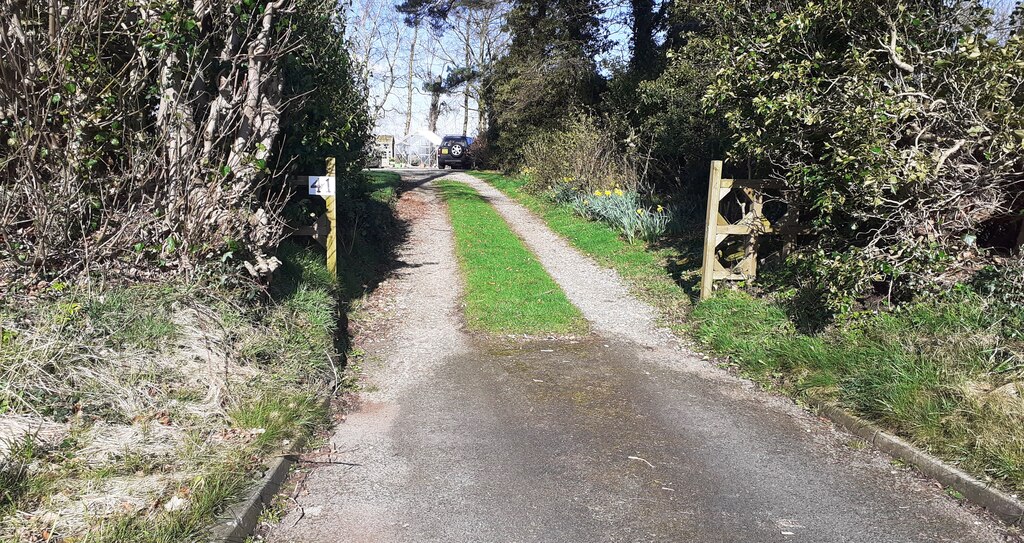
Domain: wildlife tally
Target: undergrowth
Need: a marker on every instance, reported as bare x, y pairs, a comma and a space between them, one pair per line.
164, 399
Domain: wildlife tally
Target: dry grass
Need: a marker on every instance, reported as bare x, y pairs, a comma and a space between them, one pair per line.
134, 414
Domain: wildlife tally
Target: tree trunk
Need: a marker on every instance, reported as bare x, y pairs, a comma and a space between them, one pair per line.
643, 60
435, 104
465, 87
408, 98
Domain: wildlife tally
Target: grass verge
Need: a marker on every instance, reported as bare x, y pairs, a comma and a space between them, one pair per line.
946, 374
941, 373
507, 289
166, 430
139, 412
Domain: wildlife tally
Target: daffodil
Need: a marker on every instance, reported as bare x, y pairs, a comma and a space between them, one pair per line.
607, 193
618, 192
660, 209
640, 212
597, 193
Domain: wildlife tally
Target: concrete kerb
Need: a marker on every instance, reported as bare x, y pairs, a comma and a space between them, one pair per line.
239, 521
1004, 506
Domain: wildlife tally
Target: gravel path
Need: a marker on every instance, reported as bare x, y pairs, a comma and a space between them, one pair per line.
622, 436
421, 314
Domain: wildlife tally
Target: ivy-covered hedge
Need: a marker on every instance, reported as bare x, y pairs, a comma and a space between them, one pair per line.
898, 128
144, 136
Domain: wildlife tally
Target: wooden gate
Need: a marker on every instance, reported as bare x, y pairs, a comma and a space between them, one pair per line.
751, 224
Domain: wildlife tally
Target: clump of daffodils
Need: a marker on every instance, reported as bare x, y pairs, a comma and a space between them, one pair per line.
623, 210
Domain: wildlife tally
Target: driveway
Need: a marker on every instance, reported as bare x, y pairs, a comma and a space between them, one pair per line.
623, 435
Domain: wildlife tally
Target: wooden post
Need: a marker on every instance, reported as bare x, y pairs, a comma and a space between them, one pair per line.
333, 238
707, 275
749, 267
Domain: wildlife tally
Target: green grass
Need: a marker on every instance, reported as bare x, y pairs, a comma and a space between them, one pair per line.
649, 272
371, 232
382, 186
135, 316
279, 417
938, 372
930, 371
507, 289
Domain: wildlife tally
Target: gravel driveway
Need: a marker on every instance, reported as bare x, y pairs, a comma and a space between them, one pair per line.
621, 436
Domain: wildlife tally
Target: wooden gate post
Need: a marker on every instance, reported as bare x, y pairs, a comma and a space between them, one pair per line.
333, 237
707, 275
756, 224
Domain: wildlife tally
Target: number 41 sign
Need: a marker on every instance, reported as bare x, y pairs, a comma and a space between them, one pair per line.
321, 185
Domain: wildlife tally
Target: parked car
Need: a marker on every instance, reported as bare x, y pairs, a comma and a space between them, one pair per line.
454, 152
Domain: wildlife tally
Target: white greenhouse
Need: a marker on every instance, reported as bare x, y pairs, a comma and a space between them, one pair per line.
418, 149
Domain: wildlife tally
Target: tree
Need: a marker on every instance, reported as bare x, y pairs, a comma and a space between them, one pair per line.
473, 38
548, 73
412, 64
379, 39
899, 128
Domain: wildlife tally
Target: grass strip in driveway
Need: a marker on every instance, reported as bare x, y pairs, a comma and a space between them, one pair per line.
507, 289
644, 269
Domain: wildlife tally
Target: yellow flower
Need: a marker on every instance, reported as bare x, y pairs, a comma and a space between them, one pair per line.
660, 209
597, 193
607, 193
639, 212
618, 192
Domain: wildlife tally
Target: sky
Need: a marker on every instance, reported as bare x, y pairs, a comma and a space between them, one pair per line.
431, 59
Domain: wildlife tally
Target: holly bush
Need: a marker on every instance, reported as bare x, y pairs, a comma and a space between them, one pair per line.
898, 128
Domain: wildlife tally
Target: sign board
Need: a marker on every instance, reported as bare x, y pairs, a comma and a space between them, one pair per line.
321, 185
